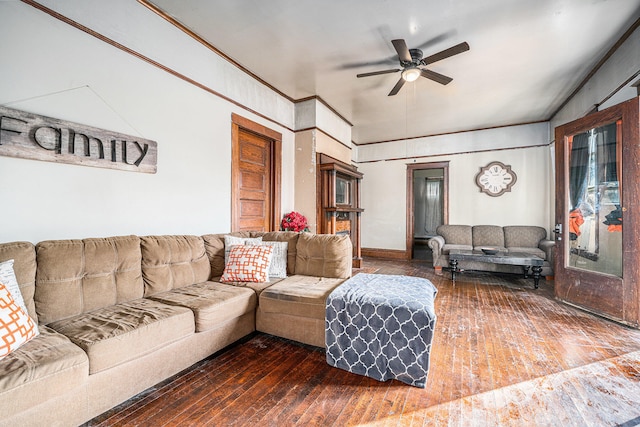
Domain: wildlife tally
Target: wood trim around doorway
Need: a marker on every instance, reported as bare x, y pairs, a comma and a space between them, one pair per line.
238, 122
385, 253
410, 208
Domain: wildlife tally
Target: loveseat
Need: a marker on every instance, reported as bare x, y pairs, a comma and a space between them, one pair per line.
514, 238
117, 315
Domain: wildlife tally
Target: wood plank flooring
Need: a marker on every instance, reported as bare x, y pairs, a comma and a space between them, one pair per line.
503, 354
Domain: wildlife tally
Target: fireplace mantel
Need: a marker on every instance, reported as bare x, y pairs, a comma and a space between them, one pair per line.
339, 201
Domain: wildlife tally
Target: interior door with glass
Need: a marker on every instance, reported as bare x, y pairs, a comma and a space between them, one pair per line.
596, 264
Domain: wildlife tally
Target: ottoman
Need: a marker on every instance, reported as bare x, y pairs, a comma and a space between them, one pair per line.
382, 326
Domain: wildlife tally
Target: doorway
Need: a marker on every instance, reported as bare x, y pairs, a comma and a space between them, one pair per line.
255, 176
427, 205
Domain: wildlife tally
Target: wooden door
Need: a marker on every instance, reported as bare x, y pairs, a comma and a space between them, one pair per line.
255, 177
597, 202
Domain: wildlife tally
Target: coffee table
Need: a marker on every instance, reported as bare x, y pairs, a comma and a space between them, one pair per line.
508, 258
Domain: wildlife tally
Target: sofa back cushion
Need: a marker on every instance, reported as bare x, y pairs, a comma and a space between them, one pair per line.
488, 235
324, 255
23, 255
291, 237
170, 262
455, 234
523, 236
214, 248
78, 276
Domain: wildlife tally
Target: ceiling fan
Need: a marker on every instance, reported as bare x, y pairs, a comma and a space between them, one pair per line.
411, 60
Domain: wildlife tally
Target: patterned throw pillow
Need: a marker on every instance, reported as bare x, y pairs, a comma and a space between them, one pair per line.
278, 267
8, 277
248, 264
16, 327
233, 240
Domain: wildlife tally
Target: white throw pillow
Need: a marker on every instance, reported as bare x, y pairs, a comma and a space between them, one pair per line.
278, 266
9, 280
233, 241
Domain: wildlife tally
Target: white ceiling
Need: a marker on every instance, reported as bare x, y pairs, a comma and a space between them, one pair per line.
526, 56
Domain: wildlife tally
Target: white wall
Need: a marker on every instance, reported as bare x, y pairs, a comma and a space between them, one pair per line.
305, 176
609, 80
53, 69
312, 113
528, 203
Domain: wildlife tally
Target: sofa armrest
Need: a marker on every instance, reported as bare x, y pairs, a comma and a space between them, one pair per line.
436, 244
548, 247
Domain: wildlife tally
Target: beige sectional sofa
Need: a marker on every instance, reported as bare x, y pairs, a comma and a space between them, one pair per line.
514, 238
120, 314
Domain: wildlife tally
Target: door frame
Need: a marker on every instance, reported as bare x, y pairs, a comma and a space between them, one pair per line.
410, 197
275, 181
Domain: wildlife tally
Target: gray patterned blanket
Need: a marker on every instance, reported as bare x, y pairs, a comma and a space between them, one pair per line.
381, 326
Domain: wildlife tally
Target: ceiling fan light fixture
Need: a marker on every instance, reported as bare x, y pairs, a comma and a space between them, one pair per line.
411, 74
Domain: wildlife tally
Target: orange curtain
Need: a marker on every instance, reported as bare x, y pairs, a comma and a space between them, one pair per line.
575, 221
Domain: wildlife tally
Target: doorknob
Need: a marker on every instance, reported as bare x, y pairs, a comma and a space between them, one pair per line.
558, 231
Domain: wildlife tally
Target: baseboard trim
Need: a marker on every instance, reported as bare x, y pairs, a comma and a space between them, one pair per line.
385, 253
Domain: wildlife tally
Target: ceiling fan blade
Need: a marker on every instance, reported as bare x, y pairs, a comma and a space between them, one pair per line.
397, 87
375, 73
402, 49
436, 77
454, 50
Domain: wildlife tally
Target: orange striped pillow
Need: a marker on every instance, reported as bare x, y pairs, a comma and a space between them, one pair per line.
16, 326
248, 264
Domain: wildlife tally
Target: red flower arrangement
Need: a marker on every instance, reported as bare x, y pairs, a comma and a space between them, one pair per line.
294, 221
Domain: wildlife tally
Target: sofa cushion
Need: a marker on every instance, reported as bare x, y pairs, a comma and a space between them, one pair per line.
78, 276
524, 236
117, 334
257, 287
456, 234
212, 303
488, 236
170, 262
214, 247
302, 296
531, 251
291, 237
324, 255
447, 248
44, 368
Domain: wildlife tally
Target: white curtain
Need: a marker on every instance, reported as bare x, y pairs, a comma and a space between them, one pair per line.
433, 210
427, 206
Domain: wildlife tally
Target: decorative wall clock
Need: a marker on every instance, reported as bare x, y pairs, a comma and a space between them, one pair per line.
495, 179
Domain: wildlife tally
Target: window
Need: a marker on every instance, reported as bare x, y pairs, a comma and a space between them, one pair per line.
595, 216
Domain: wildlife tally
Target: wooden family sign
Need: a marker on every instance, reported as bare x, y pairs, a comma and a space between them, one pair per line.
30, 136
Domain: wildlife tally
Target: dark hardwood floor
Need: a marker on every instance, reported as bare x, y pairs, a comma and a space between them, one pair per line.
503, 354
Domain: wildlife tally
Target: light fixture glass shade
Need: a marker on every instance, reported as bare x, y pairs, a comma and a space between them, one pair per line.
411, 74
